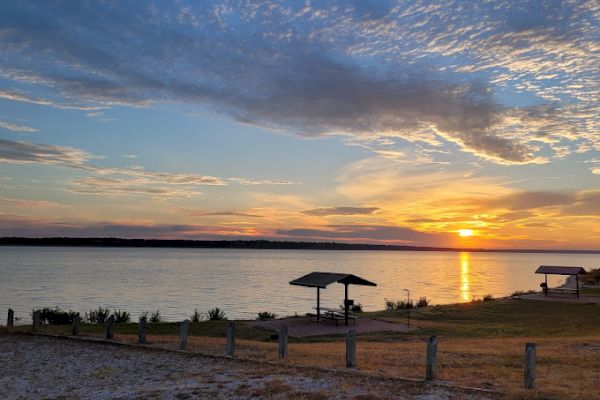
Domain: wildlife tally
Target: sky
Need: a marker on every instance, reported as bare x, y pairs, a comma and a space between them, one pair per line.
450, 123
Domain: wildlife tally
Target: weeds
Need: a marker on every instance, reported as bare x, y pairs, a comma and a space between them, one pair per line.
216, 314
265, 315
423, 302
55, 316
155, 317
121, 317
98, 316
488, 297
522, 293
197, 316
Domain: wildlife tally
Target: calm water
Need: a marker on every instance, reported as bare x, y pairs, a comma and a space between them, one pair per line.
244, 282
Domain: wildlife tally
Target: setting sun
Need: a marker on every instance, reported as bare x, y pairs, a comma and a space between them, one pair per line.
465, 232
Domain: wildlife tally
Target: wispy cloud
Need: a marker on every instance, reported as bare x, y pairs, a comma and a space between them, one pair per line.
326, 211
17, 128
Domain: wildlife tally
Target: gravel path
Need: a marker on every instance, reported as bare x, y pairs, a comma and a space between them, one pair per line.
51, 368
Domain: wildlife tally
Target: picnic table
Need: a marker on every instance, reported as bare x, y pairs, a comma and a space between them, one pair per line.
333, 314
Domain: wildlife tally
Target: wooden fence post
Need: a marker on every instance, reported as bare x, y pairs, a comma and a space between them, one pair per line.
10, 321
230, 348
351, 349
109, 326
36, 320
283, 342
76, 325
530, 365
183, 334
142, 330
431, 369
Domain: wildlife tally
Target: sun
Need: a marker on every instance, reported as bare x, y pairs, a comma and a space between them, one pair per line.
465, 232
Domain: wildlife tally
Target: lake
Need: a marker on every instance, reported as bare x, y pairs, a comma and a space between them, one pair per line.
245, 282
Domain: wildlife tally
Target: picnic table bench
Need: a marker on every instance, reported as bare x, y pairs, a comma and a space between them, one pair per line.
333, 314
560, 290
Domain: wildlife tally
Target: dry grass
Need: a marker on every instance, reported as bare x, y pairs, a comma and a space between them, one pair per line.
567, 367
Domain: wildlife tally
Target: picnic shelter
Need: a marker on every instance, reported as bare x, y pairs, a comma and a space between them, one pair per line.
560, 270
321, 280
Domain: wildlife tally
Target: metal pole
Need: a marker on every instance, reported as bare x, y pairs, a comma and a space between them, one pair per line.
577, 279
408, 306
318, 304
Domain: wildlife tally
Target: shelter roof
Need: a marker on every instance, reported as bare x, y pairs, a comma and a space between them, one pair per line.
558, 270
323, 279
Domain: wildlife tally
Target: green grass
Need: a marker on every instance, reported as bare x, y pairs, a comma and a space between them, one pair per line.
480, 319
502, 318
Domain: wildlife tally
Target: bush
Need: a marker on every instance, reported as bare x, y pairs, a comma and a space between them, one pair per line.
399, 304
98, 316
155, 317
197, 316
265, 315
216, 314
591, 278
390, 304
488, 297
55, 316
121, 317
423, 302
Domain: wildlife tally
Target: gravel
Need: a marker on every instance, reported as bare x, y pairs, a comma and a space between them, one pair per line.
53, 368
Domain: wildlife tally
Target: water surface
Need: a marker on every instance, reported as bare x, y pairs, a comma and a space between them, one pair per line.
245, 282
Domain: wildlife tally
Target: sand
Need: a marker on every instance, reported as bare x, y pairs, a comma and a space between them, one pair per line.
54, 368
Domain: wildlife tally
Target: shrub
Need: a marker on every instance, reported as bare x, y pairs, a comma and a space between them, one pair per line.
216, 314
122, 317
98, 316
390, 304
155, 317
591, 278
488, 297
265, 315
423, 302
55, 316
197, 316
399, 304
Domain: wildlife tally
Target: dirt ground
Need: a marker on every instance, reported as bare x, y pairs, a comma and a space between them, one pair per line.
304, 327
53, 368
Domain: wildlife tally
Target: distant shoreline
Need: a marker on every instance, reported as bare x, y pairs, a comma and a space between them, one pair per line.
253, 244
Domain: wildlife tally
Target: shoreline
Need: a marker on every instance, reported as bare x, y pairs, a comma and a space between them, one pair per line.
68, 242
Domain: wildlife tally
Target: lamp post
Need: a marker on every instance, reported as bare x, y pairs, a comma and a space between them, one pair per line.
408, 306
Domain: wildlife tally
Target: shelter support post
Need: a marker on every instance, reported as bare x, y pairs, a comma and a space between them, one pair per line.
346, 304
577, 280
318, 304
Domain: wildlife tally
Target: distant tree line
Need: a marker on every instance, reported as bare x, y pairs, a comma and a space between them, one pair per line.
247, 244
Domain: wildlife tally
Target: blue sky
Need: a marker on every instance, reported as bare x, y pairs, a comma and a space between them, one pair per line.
367, 121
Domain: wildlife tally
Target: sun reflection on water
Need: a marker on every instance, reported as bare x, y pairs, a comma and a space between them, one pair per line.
465, 277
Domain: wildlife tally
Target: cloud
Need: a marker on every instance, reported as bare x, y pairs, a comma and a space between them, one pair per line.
15, 225
30, 204
16, 128
326, 211
370, 233
422, 73
253, 182
20, 152
196, 213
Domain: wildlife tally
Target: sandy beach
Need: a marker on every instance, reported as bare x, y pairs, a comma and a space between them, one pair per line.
45, 367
